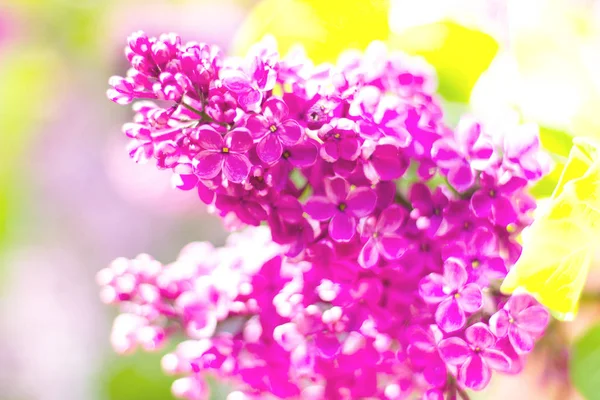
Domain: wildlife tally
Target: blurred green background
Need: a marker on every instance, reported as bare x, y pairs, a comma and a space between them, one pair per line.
71, 201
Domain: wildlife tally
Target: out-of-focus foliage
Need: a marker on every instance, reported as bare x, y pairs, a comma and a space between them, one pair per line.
324, 28
29, 75
585, 364
69, 25
137, 377
558, 247
459, 54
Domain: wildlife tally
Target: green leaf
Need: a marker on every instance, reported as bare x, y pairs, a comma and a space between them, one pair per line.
585, 364
137, 377
545, 186
556, 141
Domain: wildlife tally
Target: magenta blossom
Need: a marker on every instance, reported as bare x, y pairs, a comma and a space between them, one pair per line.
453, 295
476, 357
273, 130
523, 319
225, 154
493, 199
383, 161
464, 155
302, 306
341, 207
428, 211
383, 235
340, 141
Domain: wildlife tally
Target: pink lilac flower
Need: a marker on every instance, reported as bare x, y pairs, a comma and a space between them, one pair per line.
342, 207
383, 238
475, 357
377, 227
480, 254
429, 208
493, 201
455, 296
463, 155
340, 141
226, 154
523, 320
273, 130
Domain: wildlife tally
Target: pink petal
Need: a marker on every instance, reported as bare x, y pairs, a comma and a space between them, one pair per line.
533, 319
320, 208
484, 241
420, 197
235, 80
521, 340
209, 138
431, 288
209, 165
475, 374
496, 359
369, 254
290, 132
303, 154
344, 168
361, 201
329, 151
481, 154
391, 219
504, 211
499, 323
185, 181
520, 302
239, 140
250, 101
336, 190
445, 153
467, 132
461, 177
349, 148
454, 351
495, 268
236, 168
435, 373
388, 163
327, 345
481, 203
449, 316
480, 335
471, 299
275, 109
392, 247
455, 273
289, 209
342, 227
258, 126
269, 149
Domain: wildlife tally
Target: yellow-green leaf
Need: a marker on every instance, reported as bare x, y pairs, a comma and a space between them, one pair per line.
558, 247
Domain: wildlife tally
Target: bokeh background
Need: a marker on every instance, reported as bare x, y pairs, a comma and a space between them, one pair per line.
71, 200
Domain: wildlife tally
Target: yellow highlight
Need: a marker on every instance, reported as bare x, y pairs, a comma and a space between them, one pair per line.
558, 247
324, 27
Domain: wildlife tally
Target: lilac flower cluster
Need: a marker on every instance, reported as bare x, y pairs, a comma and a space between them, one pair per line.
385, 233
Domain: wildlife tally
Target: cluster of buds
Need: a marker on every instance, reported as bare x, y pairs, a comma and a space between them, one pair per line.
375, 236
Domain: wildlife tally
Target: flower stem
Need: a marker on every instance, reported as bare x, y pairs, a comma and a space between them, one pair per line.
403, 201
204, 116
194, 110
